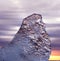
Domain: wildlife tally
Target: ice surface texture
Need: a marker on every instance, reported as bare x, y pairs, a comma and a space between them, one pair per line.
31, 43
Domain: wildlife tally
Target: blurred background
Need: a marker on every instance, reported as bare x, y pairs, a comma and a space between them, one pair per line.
13, 11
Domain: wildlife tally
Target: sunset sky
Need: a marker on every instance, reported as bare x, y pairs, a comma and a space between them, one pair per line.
13, 11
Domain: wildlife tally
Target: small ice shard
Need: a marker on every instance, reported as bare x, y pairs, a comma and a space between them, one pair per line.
31, 42
39, 21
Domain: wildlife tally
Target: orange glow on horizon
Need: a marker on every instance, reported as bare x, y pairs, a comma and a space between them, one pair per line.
55, 55
54, 58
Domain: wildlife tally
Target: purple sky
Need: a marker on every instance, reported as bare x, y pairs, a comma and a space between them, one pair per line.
13, 11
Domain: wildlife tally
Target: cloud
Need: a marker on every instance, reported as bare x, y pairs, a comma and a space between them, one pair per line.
45, 7
49, 8
54, 32
12, 12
